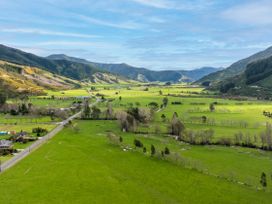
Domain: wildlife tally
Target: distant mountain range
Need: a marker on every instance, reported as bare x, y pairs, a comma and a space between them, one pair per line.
251, 76
81, 69
142, 74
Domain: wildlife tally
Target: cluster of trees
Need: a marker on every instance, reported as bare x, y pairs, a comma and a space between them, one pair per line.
202, 137
267, 114
16, 109
139, 144
129, 119
247, 140
154, 105
176, 127
93, 112
29, 109
266, 137
39, 131
259, 70
244, 140
224, 88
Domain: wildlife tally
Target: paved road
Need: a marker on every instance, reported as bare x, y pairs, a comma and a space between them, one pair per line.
18, 157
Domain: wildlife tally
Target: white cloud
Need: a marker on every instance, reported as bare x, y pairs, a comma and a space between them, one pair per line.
254, 13
45, 32
121, 25
178, 5
156, 3
102, 45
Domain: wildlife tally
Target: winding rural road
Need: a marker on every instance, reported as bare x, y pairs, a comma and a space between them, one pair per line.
18, 157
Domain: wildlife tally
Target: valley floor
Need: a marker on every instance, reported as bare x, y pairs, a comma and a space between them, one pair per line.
83, 167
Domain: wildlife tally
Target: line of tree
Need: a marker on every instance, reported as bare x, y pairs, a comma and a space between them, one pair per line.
267, 114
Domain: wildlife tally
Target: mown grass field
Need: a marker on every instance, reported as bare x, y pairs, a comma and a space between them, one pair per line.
228, 115
84, 168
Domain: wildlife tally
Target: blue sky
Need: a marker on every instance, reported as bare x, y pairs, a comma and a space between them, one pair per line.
156, 34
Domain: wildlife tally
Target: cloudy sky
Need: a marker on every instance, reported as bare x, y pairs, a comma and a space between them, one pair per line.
157, 34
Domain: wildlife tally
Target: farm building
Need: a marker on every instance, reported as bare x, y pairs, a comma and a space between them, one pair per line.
5, 144
3, 132
22, 137
6, 147
7, 133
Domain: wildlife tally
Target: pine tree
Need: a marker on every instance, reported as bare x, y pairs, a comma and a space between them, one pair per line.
153, 150
263, 180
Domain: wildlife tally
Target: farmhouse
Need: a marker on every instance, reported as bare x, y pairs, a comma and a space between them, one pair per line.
6, 147
5, 144
22, 137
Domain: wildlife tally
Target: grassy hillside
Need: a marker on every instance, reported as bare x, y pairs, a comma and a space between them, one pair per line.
142, 74
107, 78
74, 70
256, 80
236, 68
25, 79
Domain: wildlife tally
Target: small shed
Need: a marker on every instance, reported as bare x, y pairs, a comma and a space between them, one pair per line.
3, 132
6, 144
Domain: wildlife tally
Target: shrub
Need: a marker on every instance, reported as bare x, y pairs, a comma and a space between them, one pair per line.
166, 151
225, 141
138, 143
114, 139
144, 150
120, 139
39, 131
153, 150
263, 180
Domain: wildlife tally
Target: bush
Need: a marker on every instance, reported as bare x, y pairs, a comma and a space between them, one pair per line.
114, 139
166, 151
138, 143
144, 150
153, 150
120, 139
263, 180
176, 103
225, 141
39, 131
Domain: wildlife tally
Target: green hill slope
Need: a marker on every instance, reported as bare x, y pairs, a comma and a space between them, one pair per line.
142, 74
256, 80
16, 79
74, 70
236, 68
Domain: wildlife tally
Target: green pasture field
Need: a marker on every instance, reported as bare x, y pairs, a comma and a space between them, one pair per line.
68, 93
83, 167
51, 103
229, 115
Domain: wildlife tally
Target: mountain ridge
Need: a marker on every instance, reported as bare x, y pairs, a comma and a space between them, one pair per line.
81, 69
236, 68
142, 74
